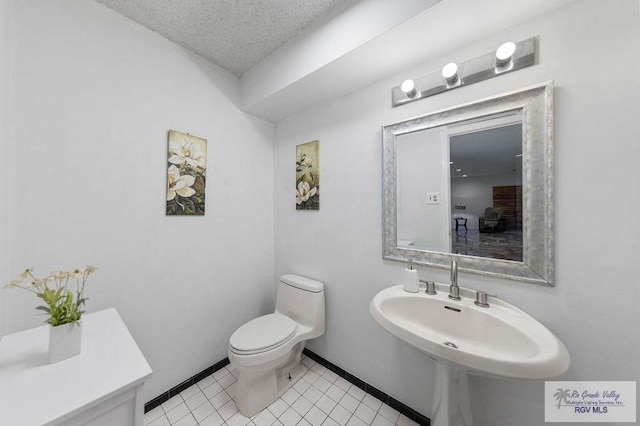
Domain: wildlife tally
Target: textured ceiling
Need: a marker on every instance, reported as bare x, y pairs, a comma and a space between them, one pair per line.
234, 34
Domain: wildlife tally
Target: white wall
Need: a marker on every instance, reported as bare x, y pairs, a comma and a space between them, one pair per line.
341, 31
93, 98
4, 137
476, 193
594, 309
420, 164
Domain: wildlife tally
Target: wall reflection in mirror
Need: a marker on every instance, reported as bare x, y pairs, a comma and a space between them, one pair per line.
460, 188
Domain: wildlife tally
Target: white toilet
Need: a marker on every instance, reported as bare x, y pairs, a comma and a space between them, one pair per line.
266, 351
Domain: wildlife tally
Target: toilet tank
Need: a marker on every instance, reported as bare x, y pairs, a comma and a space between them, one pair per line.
302, 300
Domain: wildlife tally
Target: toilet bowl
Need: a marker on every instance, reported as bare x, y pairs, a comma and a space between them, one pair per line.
266, 351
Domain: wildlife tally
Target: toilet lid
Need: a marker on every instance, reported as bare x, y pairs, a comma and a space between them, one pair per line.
263, 333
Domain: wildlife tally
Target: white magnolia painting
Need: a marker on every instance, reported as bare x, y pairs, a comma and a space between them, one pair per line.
186, 174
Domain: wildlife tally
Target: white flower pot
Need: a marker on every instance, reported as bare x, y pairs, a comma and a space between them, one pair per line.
64, 341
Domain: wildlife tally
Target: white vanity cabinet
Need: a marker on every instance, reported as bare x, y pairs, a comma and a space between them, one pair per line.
101, 386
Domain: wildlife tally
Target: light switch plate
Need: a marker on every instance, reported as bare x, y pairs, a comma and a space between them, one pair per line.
433, 198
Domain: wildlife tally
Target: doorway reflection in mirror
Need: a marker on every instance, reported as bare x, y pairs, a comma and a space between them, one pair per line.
486, 178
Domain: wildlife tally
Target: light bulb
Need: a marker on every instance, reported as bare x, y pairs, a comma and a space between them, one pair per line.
449, 70
409, 88
504, 53
450, 73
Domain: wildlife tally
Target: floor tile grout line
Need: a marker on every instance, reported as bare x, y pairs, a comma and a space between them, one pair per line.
340, 372
376, 411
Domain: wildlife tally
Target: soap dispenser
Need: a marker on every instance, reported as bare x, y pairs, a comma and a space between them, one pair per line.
411, 282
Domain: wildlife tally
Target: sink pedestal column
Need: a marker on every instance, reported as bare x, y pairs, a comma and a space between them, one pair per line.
451, 404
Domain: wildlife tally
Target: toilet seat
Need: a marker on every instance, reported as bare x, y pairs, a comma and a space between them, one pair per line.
262, 334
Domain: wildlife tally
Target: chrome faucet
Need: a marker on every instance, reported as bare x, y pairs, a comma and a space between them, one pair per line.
454, 290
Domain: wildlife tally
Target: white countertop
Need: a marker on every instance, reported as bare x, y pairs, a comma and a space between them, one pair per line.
32, 392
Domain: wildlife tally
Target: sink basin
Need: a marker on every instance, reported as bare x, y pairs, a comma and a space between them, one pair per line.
500, 339
462, 337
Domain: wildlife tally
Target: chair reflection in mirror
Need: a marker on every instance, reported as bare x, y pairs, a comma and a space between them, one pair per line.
493, 220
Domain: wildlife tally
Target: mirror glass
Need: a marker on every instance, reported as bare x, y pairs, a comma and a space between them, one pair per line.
475, 183
460, 188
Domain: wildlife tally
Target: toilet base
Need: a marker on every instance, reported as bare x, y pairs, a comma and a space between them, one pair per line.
259, 387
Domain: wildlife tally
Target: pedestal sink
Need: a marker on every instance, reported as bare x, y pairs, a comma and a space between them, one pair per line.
462, 337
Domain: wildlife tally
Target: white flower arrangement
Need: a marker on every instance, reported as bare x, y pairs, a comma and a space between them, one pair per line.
63, 305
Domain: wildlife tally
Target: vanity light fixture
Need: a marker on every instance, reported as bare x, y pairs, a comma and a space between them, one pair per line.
507, 58
504, 54
409, 88
450, 74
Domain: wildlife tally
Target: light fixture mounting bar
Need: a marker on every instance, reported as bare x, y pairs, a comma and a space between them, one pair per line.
469, 72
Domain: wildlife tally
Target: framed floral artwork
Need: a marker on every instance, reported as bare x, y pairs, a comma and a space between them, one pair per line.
307, 176
186, 174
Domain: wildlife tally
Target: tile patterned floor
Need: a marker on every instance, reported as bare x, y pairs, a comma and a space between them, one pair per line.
321, 397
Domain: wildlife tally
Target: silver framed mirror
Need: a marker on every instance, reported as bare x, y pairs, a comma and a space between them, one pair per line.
499, 145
